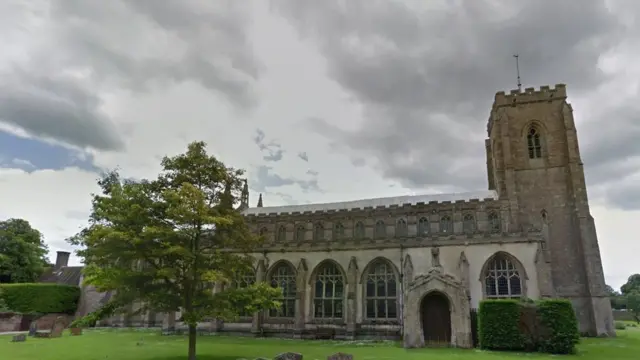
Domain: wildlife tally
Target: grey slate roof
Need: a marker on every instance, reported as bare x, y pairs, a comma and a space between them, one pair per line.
386, 202
67, 275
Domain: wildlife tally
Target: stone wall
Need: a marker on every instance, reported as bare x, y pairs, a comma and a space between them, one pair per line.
10, 322
354, 266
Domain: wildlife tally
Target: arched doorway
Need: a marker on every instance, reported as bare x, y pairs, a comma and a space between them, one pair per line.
436, 319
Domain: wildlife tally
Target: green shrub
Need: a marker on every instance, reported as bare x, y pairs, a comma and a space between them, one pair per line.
40, 298
560, 333
498, 325
620, 325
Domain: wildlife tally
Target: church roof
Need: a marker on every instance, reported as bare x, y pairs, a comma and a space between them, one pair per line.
373, 203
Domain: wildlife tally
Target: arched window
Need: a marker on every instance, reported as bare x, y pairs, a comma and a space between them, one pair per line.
318, 232
446, 225
300, 231
543, 215
423, 226
533, 143
328, 300
380, 292
263, 231
282, 233
244, 280
358, 231
284, 277
494, 222
401, 228
338, 231
502, 279
468, 224
380, 230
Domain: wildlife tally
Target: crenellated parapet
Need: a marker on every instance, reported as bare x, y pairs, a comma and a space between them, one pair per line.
411, 221
545, 93
529, 95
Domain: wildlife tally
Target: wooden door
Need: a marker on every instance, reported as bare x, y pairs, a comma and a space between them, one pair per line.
436, 320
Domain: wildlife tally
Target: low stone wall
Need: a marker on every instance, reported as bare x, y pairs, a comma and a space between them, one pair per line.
10, 322
623, 315
14, 322
46, 322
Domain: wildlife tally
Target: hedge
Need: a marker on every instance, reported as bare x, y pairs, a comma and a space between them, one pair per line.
40, 298
560, 327
498, 322
548, 326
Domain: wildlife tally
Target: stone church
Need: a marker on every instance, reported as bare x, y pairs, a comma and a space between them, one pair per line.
415, 267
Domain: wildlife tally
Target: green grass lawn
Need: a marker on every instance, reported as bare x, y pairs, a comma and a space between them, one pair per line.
142, 345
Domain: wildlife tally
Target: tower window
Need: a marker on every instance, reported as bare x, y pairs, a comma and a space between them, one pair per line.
533, 143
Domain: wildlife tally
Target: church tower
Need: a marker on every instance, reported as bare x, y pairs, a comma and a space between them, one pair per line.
533, 161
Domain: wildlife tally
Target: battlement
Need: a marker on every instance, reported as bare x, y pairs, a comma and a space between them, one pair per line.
530, 95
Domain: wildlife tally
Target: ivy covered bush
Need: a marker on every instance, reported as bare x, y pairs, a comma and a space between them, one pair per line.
560, 325
548, 326
40, 298
498, 325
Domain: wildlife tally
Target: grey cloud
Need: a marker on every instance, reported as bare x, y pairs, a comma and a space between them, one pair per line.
274, 151
312, 173
358, 162
264, 178
625, 196
124, 45
303, 156
426, 77
214, 52
56, 107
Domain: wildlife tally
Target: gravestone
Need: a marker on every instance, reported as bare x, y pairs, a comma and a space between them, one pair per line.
340, 356
58, 327
33, 328
76, 331
19, 338
288, 356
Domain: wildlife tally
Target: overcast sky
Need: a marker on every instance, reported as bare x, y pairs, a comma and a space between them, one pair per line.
318, 100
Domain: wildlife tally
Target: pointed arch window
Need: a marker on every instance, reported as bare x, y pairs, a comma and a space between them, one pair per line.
468, 224
318, 232
328, 300
284, 277
358, 231
446, 225
263, 231
534, 144
494, 222
245, 280
423, 226
282, 233
300, 231
338, 231
401, 228
380, 230
381, 291
502, 279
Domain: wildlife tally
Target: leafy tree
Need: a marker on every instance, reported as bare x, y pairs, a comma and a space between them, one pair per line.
633, 283
165, 242
633, 304
22, 252
610, 291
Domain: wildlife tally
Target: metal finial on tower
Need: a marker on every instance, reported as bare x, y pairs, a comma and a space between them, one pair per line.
518, 70
260, 201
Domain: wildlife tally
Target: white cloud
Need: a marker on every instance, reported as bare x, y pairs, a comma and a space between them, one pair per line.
55, 202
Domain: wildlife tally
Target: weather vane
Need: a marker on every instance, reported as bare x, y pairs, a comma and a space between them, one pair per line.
518, 70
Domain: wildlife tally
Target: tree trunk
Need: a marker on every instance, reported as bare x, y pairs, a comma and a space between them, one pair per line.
192, 342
